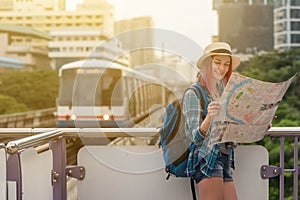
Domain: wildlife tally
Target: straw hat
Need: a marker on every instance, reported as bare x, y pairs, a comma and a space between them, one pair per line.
218, 48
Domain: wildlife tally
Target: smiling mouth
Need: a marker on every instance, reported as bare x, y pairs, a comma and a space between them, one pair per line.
218, 73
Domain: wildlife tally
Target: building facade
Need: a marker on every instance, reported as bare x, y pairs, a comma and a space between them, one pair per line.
25, 44
246, 24
134, 39
91, 17
287, 24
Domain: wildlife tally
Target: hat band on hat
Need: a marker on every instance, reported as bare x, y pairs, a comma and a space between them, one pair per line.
221, 51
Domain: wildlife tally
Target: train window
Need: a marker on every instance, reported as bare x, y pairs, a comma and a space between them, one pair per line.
149, 95
131, 96
90, 87
137, 98
110, 88
107, 82
66, 87
84, 90
143, 96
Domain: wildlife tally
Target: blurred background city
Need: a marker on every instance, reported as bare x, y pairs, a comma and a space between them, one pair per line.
43, 34
42, 39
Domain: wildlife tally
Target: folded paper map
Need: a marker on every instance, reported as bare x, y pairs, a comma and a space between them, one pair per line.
247, 109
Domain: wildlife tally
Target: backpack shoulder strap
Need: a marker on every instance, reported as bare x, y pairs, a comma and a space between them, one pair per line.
193, 189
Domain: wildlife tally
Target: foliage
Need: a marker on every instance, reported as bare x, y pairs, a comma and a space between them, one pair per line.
9, 105
35, 89
278, 66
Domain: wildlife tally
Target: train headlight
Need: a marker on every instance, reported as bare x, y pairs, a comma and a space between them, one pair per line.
73, 117
106, 117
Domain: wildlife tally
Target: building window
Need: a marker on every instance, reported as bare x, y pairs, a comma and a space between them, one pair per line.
295, 38
295, 13
295, 2
278, 3
54, 49
295, 26
22, 54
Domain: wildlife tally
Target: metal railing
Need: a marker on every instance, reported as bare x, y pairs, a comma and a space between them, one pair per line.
56, 139
273, 171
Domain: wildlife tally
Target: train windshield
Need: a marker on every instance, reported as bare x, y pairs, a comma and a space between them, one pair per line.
90, 87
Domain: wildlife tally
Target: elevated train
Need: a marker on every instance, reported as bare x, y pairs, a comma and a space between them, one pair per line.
102, 93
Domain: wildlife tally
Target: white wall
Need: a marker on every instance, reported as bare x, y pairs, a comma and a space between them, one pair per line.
137, 172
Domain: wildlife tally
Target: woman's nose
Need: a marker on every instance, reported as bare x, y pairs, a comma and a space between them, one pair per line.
221, 67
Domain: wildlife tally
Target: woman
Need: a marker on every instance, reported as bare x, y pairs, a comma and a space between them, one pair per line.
210, 166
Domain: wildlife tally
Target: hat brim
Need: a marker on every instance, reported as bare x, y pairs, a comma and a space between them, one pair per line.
235, 59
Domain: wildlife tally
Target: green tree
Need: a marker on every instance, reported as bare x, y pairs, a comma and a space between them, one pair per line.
36, 89
9, 105
278, 66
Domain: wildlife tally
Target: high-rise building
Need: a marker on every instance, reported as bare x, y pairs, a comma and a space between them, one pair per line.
135, 40
287, 24
45, 5
25, 44
6, 5
246, 24
92, 17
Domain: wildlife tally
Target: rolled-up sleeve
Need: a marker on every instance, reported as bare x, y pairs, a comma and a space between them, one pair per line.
192, 112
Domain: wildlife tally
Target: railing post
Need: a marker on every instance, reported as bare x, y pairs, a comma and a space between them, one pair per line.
59, 180
296, 173
14, 172
281, 177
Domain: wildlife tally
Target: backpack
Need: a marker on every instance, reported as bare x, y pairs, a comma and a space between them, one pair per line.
175, 144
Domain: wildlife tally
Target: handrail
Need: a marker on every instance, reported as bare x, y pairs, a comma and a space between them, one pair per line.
122, 132
284, 131
42, 138
35, 140
38, 136
73, 132
22, 132
46, 134
91, 132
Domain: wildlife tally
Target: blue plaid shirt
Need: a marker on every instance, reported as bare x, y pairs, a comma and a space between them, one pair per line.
203, 155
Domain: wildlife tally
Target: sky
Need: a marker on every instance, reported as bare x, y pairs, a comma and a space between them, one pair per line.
193, 18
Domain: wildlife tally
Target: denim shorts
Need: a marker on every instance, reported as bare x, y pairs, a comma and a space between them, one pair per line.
222, 169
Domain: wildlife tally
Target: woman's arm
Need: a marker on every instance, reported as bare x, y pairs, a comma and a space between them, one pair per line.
192, 112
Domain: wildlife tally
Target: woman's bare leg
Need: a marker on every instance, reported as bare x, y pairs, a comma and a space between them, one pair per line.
229, 191
211, 188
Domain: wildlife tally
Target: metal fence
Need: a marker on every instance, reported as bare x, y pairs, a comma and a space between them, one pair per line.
56, 140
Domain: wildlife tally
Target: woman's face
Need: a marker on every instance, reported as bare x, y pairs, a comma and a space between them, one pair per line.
220, 66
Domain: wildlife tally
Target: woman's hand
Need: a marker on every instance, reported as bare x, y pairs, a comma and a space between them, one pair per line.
270, 125
213, 109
